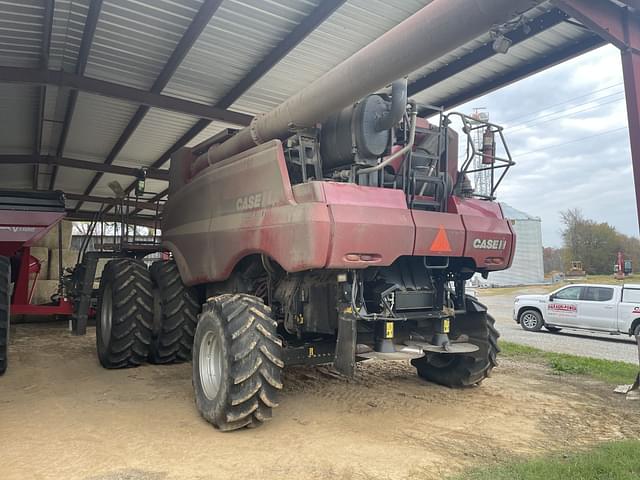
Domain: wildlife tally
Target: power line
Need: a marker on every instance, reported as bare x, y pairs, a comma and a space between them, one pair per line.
510, 130
565, 102
549, 147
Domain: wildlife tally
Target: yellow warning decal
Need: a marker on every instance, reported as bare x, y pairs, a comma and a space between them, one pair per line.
388, 330
312, 352
446, 325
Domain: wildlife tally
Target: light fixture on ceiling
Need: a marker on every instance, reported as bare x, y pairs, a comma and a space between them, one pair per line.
117, 189
501, 44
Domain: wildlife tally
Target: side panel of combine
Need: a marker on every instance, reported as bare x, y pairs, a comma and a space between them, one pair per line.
243, 206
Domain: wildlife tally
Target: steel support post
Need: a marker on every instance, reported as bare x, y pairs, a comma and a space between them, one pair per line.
619, 25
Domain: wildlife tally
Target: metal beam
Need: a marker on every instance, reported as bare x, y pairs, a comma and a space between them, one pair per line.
155, 198
293, 39
200, 21
141, 220
121, 92
601, 17
538, 25
152, 173
112, 201
47, 23
81, 64
621, 27
558, 56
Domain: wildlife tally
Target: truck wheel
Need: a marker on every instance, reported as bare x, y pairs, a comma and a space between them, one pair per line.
531, 320
125, 314
464, 370
237, 362
177, 317
5, 306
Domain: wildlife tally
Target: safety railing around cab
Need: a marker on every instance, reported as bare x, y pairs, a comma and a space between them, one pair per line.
491, 155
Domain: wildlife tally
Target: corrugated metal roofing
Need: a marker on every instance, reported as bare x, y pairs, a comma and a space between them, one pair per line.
133, 40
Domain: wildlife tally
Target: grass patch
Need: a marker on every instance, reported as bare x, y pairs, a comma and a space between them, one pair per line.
609, 461
608, 371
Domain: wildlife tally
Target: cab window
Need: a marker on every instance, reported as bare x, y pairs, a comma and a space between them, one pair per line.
631, 295
597, 294
569, 293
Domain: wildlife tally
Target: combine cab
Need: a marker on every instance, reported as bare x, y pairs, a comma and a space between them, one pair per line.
338, 227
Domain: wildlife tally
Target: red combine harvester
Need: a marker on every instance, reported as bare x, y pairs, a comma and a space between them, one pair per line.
25, 217
337, 227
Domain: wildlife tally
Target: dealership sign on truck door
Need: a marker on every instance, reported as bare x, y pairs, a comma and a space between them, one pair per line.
562, 309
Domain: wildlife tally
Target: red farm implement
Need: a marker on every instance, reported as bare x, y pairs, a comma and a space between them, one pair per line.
25, 218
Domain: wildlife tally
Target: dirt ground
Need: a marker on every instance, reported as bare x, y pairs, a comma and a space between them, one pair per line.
62, 416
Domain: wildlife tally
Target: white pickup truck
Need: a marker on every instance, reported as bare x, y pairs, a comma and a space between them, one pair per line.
600, 308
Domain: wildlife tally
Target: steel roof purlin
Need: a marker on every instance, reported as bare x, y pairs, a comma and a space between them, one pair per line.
95, 6
323, 11
47, 26
199, 22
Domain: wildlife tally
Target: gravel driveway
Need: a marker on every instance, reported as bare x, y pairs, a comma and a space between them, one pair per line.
577, 342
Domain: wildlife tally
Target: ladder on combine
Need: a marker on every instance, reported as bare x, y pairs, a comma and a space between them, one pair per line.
124, 235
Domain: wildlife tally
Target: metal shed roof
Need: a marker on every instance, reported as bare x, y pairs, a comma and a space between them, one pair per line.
92, 89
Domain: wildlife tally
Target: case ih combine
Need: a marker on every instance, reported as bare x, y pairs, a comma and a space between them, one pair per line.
337, 227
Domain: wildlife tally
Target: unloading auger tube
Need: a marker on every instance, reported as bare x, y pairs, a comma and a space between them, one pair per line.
433, 31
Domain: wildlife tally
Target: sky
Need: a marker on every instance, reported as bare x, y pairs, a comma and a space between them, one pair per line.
566, 128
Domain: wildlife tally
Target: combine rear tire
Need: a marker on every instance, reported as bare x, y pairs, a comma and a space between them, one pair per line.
237, 362
125, 314
5, 304
464, 370
178, 315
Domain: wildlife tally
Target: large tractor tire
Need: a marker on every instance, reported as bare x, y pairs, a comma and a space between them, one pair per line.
237, 362
125, 314
464, 370
5, 314
176, 315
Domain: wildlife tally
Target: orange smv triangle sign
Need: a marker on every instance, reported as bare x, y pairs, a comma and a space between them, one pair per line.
441, 242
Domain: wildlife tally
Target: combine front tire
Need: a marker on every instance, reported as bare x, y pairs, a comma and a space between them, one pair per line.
237, 362
125, 314
464, 370
5, 303
177, 315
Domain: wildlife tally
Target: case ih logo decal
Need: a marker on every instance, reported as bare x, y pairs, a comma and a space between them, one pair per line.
484, 244
256, 200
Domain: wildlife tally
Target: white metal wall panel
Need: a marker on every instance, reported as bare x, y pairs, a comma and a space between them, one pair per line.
134, 39
73, 179
18, 109
527, 267
96, 126
16, 176
21, 32
69, 17
239, 35
158, 131
351, 27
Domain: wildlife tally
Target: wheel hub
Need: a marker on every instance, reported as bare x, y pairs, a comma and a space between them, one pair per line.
529, 320
210, 363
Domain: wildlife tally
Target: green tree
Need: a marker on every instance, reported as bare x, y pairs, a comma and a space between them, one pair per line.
595, 244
